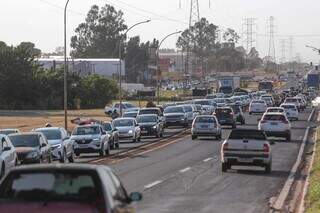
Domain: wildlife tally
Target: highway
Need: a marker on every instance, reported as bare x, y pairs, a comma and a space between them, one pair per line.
185, 175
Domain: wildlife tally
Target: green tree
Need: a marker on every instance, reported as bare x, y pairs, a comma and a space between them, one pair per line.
99, 35
231, 36
29, 48
96, 91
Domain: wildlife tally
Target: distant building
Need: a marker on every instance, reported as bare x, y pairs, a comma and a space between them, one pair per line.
108, 67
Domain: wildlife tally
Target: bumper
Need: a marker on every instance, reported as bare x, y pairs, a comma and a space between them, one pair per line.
247, 160
176, 123
87, 148
126, 136
30, 160
277, 133
205, 132
226, 122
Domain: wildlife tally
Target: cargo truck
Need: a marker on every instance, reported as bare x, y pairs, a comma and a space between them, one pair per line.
227, 84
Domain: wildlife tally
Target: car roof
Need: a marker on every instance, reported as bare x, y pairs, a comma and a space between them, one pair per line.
273, 113
148, 115
205, 116
8, 129
48, 128
26, 133
130, 112
45, 167
152, 108
89, 125
274, 108
124, 119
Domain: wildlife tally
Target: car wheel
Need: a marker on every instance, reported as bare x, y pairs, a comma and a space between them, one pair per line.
71, 158
63, 158
234, 126
3, 171
219, 137
50, 159
139, 138
102, 151
194, 137
288, 137
77, 153
107, 152
224, 167
161, 134
250, 113
268, 168
243, 122
113, 145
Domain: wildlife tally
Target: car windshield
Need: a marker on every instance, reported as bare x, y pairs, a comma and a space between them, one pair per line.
107, 126
188, 108
147, 119
203, 102
25, 140
289, 106
148, 111
55, 187
86, 130
208, 119
220, 100
236, 109
130, 115
245, 134
7, 132
123, 122
51, 134
174, 110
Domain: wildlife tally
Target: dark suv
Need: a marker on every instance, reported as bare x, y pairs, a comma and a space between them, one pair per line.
225, 116
150, 125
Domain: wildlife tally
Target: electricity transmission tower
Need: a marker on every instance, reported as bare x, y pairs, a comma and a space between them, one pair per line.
272, 50
248, 33
290, 48
194, 13
283, 50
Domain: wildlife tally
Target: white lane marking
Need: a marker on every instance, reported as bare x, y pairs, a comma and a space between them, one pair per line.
185, 170
208, 159
153, 184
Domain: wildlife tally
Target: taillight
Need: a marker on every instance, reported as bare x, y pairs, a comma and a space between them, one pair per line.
263, 121
266, 148
285, 122
231, 113
225, 146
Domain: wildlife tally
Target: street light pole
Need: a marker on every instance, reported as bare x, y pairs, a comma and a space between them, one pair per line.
158, 67
120, 66
65, 88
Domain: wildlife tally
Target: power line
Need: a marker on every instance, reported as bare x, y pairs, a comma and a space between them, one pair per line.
62, 8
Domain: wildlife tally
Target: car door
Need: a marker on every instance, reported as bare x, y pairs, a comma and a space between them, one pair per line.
67, 142
12, 156
104, 137
45, 149
5, 155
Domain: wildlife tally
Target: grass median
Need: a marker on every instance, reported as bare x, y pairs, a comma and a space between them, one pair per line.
312, 202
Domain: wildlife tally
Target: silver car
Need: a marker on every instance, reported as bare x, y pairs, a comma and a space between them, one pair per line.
61, 145
8, 155
206, 126
128, 129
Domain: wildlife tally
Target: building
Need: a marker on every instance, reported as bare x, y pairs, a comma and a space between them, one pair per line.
108, 67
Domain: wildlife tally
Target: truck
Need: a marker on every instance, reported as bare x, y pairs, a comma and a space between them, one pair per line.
313, 78
265, 86
227, 84
292, 81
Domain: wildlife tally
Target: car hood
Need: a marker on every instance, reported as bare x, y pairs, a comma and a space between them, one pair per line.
54, 142
25, 149
174, 114
147, 124
132, 109
84, 137
125, 128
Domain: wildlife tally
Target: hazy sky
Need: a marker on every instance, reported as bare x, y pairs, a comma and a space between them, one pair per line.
41, 21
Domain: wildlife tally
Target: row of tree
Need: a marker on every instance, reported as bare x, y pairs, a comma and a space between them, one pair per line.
26, 85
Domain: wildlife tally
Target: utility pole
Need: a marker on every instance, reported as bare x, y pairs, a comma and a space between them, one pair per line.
65, 79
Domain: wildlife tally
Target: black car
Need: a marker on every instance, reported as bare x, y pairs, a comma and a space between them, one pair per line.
31, 147
225, 116
150, 125
64, 188
175, 116
109, 128
237, 110
152, 110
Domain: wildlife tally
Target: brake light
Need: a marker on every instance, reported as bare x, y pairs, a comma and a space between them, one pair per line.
266, 148
285, 122
231, 113
263, 121
225, 146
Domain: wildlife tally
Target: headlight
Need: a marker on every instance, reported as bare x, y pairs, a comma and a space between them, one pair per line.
154, 127
130, 131
32, 154
58, 146
96, 140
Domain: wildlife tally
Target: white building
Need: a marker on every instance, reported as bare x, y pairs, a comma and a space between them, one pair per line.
108, 67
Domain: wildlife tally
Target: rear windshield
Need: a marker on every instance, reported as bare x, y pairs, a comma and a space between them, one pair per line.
86, 130
174, 110
223, 110
210, 120
130, 115
245, 134
188, 108
288, 106
107, 127
123, 123
52, 134
274, 118
203, 102
149, 111
7, 132
258, 102
275, 110
55, 187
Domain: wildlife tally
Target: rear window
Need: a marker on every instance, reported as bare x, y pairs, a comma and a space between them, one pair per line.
149, 111
258, 102
205, 120
245, 134
188, 108
54, 186
223, 110
288, 106
274, 118
275, 110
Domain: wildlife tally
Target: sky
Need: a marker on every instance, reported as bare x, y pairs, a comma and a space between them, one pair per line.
41, 21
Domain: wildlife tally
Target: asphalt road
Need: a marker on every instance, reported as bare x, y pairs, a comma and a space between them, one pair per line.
186, 175
126, 145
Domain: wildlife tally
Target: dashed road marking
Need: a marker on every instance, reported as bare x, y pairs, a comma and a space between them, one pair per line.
208, 159
185, 170
153, 184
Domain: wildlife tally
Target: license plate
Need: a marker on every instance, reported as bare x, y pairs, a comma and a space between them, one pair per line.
205, 127
83, 146
274, 124
245, 160
144, 132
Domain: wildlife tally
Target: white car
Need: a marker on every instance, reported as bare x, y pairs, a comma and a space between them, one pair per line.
8, 155
245, 147
206, 126
294, 101
128, 128
126, 107
257, 106
292, 111
268, 100
275, 124
9, 131
191, 112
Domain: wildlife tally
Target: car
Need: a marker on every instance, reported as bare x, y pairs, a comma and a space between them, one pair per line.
208, 105
113, 133
205, 126
175, 116
246, 147
237, 110
275, 109
257, 106
275, 124
126, 107
31, 147
64, 188
128, 129
90, 138
150, 125
132, 114
291, 110
302, 102
191, 112
225, 116
61, 145
9, 131
151, 110
294, 101
221, 102
268, 100
8, 155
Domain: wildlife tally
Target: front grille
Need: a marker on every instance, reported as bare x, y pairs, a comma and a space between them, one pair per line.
85, 141
23, 155
173, 117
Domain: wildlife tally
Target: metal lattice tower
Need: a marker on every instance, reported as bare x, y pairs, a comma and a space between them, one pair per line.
272, 50
291, 59
249, 32
283, 50
194, 12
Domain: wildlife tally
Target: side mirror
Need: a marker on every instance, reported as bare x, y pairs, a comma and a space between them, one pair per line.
104, 133
43, 145
7, 148
135, 196
115, 129
66, 138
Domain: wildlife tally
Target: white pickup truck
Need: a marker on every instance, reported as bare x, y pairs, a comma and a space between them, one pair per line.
126, 107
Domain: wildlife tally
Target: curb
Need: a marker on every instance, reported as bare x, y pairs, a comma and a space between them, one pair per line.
277, 206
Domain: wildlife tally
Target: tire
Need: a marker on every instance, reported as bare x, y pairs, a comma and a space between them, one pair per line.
117, 145
234, 126
113, 145
250, 113
243, 122
218, 137
3, 170
224, 167
50, 159
193, 137
107, 152
288, 137
161, 134
71, 158
139, 139
77, 153
102, 151
64, 157
268, 168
